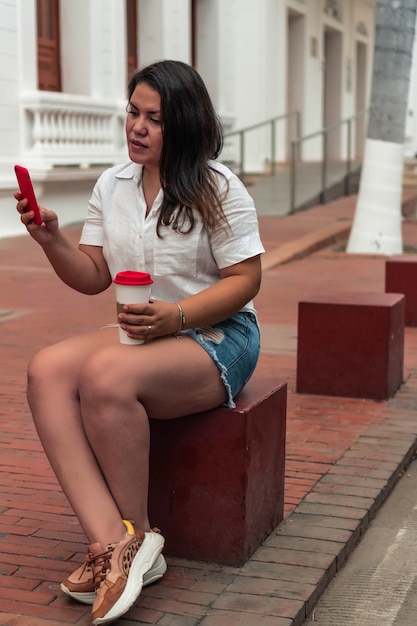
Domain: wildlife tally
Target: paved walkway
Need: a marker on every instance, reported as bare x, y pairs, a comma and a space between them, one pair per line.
343, 455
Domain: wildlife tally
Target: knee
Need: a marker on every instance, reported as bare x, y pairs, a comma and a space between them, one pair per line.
98, 378
104, 391
48, 373
42, 368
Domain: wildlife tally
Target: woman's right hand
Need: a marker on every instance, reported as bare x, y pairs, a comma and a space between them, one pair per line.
43, 233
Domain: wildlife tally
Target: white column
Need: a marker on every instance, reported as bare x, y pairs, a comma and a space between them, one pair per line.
216, 53
27, 44
164, 30
75, 44
93, 48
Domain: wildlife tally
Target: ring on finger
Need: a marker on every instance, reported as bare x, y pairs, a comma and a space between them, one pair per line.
149, 329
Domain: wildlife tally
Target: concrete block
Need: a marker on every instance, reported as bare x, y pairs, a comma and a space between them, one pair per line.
351, 344
401, 277
217, 477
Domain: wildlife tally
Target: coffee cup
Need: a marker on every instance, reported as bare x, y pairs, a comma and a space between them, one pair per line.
131, 288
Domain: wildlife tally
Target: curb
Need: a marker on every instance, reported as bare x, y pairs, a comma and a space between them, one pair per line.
321, 517
312, 544
302, 246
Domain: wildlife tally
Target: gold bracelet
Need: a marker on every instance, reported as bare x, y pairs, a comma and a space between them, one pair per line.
182, 321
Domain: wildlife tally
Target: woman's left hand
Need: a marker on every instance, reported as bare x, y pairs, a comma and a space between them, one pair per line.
150, 320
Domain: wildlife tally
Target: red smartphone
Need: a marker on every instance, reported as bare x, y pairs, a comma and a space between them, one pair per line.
26, 189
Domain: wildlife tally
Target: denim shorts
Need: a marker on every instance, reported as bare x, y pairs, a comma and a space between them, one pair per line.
234, 346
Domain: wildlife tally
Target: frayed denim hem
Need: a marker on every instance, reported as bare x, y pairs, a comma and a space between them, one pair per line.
234, 346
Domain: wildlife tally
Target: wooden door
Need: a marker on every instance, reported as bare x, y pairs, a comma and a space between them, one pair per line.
49, 71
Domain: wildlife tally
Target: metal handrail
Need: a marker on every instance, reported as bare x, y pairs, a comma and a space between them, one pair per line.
270, 122
295, 151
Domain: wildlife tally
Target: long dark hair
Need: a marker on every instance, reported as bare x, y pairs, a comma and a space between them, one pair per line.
192, 134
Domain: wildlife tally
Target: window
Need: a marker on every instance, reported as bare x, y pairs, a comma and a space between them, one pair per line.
132, 47
49, 74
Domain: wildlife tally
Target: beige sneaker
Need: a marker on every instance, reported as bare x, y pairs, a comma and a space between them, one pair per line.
119, 570
81, 587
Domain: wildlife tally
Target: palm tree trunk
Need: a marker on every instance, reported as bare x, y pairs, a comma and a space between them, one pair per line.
377, 221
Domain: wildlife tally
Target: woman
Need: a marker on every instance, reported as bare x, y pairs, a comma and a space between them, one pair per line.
189, 222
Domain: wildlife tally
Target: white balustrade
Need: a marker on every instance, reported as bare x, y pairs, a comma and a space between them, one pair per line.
64, 130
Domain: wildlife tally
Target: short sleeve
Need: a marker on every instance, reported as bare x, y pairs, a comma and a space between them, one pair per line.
240, 239
92, 232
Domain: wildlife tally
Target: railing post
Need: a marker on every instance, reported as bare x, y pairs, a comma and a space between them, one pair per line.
349, 157
298, 131
241, 152
294, 145
272, 147
323, 169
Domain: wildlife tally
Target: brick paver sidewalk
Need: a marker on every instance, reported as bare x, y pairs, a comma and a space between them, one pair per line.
343, 455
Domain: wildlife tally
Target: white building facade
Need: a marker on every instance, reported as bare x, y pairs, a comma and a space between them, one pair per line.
260, 59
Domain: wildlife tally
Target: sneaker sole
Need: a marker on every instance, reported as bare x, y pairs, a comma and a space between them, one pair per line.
149, 551
151, 576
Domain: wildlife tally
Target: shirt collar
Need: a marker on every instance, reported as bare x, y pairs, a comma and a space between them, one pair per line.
132, 171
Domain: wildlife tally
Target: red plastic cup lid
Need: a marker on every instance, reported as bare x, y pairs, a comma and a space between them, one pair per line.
130, 277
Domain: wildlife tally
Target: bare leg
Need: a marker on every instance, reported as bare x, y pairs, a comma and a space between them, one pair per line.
123, 386
91, 398
53, 397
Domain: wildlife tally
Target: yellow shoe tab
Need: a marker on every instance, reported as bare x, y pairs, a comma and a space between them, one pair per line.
129, 526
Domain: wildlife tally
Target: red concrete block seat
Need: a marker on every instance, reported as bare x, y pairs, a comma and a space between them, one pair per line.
351, 344
217, 478
401, 277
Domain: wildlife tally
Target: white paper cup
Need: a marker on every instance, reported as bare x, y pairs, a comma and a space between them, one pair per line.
131, 288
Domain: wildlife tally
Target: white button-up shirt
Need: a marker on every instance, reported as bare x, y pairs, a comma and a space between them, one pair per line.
181, 265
